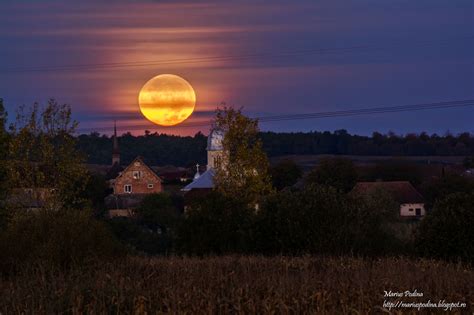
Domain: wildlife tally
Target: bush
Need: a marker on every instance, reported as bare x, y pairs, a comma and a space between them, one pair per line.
139, 237
339, 173
321, 219
57, 238
159, 212
285, 174
447, 232
216, 224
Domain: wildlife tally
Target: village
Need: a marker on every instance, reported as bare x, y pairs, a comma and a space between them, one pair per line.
131, 183
236, 157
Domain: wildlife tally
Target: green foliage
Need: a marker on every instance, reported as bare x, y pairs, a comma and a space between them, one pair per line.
285, 174
437, 188
162, 149
158, 212
244, 172
157, 149
42, 153
139, 238
216, 224
320, 219
95, 192
153, 229
339, 173
447, 231
56, 238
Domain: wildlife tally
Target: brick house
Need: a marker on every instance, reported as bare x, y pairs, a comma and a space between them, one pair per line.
137, 178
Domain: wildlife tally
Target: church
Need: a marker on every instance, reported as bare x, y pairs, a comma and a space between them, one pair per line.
204, 183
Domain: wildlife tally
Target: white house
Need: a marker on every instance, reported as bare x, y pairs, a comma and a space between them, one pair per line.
410, 200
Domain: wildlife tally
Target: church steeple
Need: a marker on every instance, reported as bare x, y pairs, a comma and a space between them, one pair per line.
115, 150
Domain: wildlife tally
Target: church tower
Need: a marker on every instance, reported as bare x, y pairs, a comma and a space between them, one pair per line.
215, 149
115, 150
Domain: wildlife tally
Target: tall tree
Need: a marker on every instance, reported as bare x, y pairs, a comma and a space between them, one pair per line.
244, 173
42, 153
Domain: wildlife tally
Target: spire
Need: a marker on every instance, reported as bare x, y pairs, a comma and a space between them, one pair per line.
115, 149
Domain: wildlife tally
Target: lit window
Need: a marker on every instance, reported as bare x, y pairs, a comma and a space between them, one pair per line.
127, 188
150, 186
137, 174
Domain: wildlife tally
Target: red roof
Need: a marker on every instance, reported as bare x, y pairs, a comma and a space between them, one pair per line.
401, 191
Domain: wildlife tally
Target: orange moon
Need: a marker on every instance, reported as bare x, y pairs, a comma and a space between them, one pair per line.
167, 100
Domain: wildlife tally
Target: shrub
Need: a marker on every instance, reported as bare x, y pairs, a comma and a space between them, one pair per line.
447, 232
139, 237
339, 173
58, 238
321, 219
216, 224
285, 174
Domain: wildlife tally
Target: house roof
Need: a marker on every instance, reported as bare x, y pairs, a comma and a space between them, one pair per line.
205, 181
139, 159
401, 191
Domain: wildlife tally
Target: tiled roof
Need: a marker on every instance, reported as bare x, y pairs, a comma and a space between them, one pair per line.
401, 191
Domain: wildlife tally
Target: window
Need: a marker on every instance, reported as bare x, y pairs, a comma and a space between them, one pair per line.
137, 174
150, 186
418, 211
411, 209
136, 163
127, 188
217, 161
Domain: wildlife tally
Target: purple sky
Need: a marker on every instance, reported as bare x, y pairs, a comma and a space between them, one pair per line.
380, 53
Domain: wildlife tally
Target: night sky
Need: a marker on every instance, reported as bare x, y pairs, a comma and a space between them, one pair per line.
306, 56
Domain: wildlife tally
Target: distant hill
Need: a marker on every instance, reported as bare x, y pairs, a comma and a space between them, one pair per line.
161, 149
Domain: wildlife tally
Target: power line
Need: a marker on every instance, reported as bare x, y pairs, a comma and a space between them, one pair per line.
331, 114
134, 64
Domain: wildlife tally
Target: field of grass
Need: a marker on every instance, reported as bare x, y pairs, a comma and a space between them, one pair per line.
235, 285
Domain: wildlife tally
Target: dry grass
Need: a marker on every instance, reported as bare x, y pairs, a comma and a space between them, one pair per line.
235, 285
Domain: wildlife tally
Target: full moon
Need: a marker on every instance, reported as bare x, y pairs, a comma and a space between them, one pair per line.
167, 100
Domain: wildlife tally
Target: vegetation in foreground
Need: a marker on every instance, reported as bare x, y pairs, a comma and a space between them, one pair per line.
64, 257
235, 284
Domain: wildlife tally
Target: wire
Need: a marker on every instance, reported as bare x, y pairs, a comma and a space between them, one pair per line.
330, 114
319, 51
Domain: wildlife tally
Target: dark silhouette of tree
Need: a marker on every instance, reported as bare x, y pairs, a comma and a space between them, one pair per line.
447, 231
339, 173
161, 149
285, 174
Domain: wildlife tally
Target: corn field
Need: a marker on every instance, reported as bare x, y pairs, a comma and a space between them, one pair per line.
236, 285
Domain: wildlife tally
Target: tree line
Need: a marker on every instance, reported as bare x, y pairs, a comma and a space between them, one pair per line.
163, 149
258, 209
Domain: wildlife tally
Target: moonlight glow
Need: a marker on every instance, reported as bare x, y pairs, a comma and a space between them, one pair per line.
167, 100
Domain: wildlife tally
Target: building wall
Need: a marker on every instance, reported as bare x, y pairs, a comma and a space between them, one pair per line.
213, 159
406, 212
139, 185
